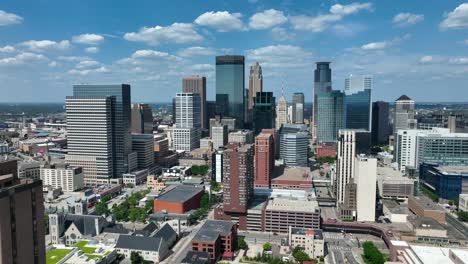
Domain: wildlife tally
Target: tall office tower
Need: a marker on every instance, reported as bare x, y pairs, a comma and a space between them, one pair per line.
210, 110
121, 119
358, 90
345, 162
404, 114
298, 108
91, 137
452, 124
217, 165
322, 84
219, 135
173, 111
281, 112
143, 145
329, 118
197, 85
380, 123
142, 119
238, 176
188, 122
365, 178
230, 81
22, 236
264, 159
264, 111
255, 83
294, 143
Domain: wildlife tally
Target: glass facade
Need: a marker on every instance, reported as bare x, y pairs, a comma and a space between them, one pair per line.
329, 118
230, 92
358, 109
264, 111
442, 150
122, 118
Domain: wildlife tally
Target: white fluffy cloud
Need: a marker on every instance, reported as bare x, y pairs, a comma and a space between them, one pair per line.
7, 49
84, 72
280, 56
46, 45
321, 22
87, 64
281, 34
458, 18
222, 21
23, 58
92, 50
196, 51
459, 61
89, 39
267, 19
9, 18
426, 59
73, 58
375, 45
148, 56
407, 19
175, 33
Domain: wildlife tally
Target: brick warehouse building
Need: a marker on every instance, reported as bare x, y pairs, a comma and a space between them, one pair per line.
264, 159
179, 200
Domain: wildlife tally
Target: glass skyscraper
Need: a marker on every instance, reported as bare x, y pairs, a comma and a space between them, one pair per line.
329, 117
122, 119
358, 90
230, 91
264, 111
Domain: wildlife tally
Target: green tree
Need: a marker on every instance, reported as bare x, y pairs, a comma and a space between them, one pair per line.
101, 208
136, 258
215, 186
241, 244
267, 246
149, 206
372, 255
463, 216
205, 201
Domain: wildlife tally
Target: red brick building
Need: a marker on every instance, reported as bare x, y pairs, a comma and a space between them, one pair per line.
327, 149
216, 237
179, 200
264, 159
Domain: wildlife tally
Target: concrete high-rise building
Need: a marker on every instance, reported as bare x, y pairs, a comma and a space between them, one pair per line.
264, 159
242, 136
219, 135
281, 112
186, 139
365, 178
294, 143
217, 165
187, 132
358, 93
197, 85
91, 142
404, 114
255, 83
264, 111
83, 130
143, 145
61, 175
238, 177
298, 108
22, 235
142, 119
330, 115
380, 123
230, 81
322, 84
345, 162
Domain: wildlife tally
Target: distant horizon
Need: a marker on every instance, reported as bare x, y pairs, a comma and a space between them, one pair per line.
144, 102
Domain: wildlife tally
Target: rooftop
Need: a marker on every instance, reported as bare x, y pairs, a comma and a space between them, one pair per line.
425, 223
180, 193
454, 170
212, 229
292, 205
427, 254
426, 203
317, 233
139, 242
390, 174
403, 98
395, 208
282, 173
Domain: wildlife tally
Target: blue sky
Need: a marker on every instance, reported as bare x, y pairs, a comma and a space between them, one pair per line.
419, 48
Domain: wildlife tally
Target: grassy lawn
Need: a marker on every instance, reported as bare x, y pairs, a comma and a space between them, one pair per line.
55, 255
92, 256
82, 246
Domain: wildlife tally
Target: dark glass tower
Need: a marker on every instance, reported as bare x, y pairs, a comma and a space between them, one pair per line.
264, 111
380, 123
358, 90
230, 91
322, 81
122, 119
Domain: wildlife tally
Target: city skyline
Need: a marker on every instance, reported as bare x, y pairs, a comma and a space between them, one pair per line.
404, 46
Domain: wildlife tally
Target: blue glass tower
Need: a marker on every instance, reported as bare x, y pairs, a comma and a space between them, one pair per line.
230, 91
358, 102
264, 111
330, 117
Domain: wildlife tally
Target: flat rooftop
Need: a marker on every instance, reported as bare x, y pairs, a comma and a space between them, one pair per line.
428, 254
425, 223
317, 233
282, 173
389, 174
212, 229
292, 205
180, 193
426, 203
395, 208
454, 170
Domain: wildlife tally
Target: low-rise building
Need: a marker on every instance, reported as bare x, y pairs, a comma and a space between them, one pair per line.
427, 227
397, 213
448, 182
29, 170
421, 254
424, 207
155, 183
179, 172
463, 202
392, 184
327, 149
178, 200
216, 237
297, 178
309, 240
61, 175
282, 213
68, 229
